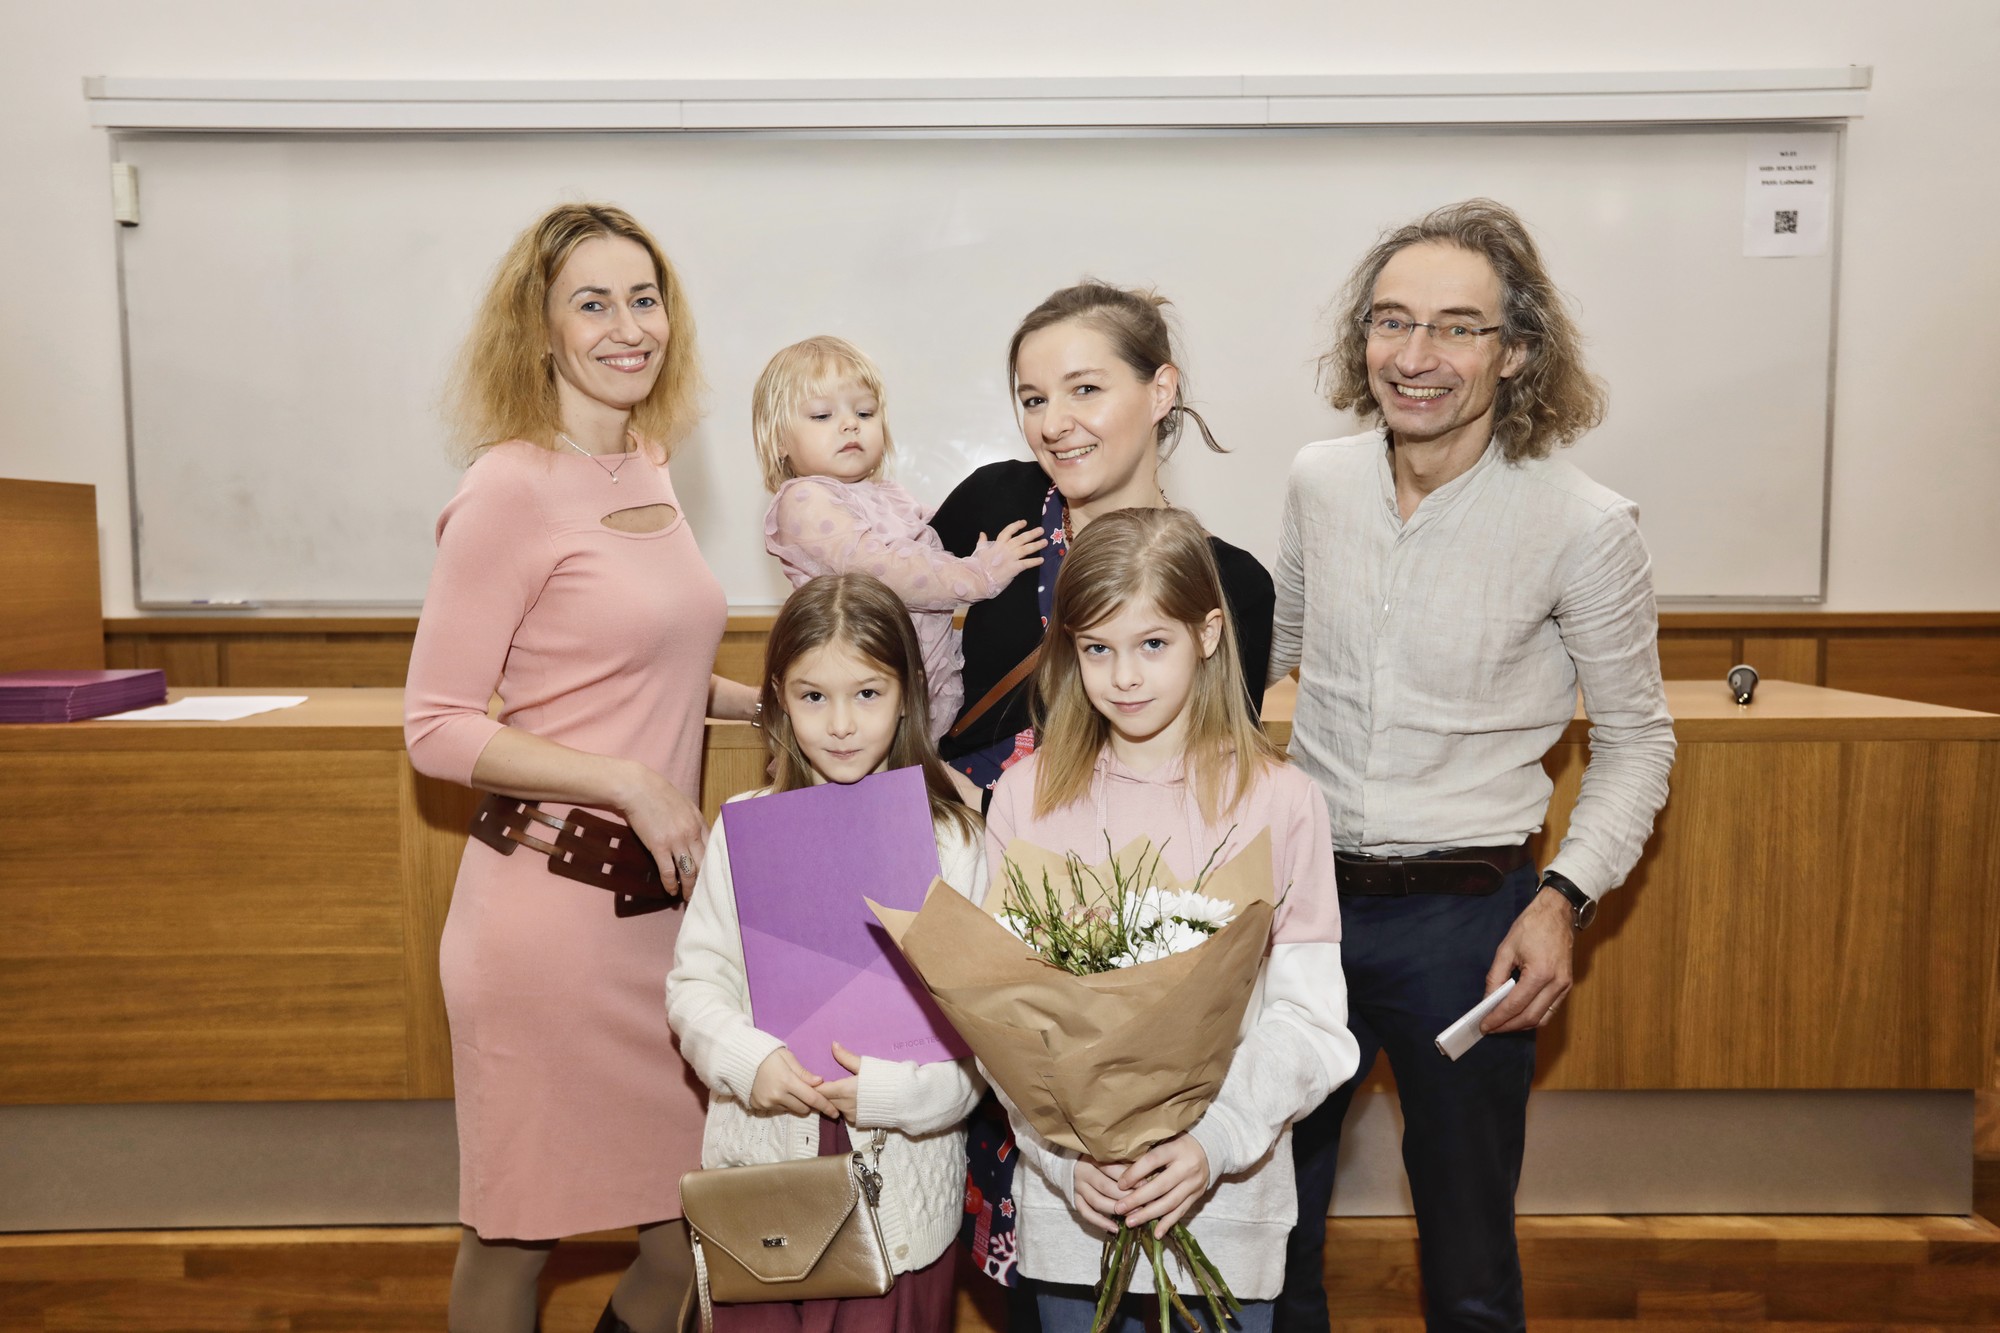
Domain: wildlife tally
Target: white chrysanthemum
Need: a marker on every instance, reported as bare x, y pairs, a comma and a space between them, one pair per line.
1197, 907
1178, 937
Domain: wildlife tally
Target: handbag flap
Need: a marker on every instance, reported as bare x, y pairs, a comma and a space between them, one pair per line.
775, 1220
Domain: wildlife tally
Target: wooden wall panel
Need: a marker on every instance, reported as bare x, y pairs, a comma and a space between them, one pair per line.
1946, 658
741, 656
1962, 670
190, 663
735, 760
1784, 657
317, 662
50, 601
1696, 658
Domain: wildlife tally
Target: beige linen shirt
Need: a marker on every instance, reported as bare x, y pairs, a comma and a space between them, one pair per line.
1440, 659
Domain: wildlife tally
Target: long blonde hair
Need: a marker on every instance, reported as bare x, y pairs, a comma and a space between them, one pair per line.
504, 387
1161, 558
861, 613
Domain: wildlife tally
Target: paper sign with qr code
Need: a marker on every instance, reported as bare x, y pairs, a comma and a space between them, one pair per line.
1788, 194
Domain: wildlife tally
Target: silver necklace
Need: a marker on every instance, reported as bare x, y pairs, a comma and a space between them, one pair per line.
611, 472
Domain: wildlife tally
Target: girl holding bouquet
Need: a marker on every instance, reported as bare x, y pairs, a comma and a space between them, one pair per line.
844, 696
1143, 735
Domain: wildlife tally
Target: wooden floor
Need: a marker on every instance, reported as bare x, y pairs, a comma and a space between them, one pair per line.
1637, 1275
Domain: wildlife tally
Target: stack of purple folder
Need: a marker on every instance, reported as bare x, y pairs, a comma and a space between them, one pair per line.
67, 696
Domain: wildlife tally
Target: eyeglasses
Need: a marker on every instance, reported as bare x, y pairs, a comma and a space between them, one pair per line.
1394, 329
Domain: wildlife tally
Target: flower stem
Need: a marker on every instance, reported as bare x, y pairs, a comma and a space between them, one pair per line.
1116, 1279
1193, 1247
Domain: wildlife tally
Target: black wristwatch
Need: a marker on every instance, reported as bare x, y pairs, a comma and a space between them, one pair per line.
1582, 907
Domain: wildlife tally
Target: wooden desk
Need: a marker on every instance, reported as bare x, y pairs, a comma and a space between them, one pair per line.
249, 911
1819, 906
240, 911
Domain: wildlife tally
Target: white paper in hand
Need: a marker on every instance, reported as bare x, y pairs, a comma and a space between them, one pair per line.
1461, 1036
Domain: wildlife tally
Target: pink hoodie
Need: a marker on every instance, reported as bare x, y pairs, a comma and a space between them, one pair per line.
1295, 1047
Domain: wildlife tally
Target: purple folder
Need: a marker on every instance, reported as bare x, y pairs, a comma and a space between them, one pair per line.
71, 696
820, 966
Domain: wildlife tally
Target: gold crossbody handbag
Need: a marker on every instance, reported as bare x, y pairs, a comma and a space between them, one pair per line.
802, 1230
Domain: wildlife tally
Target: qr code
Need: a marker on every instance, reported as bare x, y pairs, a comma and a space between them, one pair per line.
1787, 222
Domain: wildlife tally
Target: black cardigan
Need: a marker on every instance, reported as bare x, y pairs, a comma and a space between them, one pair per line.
1002, 630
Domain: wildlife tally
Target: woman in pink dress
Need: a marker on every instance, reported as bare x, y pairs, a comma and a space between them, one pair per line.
568, 582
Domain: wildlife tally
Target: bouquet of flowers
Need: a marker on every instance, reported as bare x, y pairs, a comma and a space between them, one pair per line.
1105, 1001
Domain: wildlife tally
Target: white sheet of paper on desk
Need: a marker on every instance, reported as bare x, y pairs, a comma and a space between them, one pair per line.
1461, 1036
209, 708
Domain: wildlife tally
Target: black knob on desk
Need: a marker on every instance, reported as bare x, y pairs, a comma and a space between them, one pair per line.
1742, 682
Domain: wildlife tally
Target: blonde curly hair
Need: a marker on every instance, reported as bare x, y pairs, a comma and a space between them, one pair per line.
504, 387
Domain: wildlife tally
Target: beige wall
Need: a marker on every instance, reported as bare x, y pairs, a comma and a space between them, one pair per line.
1916, 473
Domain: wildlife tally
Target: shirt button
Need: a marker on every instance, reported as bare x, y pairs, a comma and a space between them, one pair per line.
902, 1251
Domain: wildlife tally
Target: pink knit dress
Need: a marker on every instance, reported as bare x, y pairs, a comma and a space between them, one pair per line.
818, 525
575, 1110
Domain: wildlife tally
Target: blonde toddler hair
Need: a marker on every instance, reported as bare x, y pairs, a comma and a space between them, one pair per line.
795, 374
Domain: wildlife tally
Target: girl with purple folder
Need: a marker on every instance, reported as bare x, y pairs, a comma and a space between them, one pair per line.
844, 697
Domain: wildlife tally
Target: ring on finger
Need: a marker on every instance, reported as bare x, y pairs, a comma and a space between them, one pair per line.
684, 863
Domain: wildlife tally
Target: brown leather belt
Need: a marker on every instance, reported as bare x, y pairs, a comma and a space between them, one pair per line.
1472, 871
588, 848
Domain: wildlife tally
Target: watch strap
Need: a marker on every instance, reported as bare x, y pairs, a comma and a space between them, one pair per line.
1582, 907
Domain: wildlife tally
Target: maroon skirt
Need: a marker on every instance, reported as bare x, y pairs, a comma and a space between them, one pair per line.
920, 1302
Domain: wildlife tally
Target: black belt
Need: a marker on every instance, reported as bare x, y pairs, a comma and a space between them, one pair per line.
1471, 871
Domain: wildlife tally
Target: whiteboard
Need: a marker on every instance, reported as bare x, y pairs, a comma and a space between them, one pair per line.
293, 304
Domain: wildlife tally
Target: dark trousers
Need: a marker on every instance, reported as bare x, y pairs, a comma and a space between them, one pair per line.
1413, 966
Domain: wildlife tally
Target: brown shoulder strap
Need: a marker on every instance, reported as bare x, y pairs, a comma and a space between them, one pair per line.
1001, 689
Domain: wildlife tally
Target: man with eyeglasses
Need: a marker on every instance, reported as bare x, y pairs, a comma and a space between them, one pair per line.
1444, 587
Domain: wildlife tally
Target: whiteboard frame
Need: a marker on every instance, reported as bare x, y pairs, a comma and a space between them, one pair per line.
991, 107
1244, 101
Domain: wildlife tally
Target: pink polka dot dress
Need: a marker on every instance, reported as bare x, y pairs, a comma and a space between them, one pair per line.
817, 525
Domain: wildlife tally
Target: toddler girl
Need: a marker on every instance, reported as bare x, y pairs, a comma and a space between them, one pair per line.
843, 697
1144, 734
821, 438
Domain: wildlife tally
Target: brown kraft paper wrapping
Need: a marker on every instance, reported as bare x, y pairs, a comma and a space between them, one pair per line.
1106, 1065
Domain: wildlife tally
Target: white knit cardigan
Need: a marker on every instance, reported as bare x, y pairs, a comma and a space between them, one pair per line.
923, 1106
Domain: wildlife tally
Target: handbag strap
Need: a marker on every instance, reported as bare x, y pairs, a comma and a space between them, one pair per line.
870, 1172
1001, 689
701, 1282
